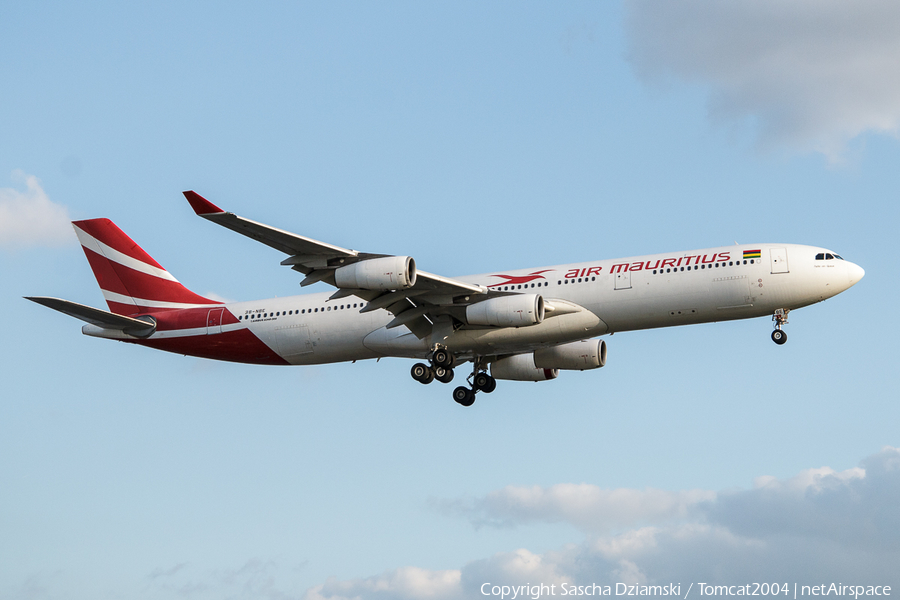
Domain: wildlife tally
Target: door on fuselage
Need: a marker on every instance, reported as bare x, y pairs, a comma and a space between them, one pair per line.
779, 260
623, 280
214, 321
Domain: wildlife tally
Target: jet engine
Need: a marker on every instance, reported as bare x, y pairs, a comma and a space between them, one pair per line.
507, 311
520, 367
575, 356
388, 273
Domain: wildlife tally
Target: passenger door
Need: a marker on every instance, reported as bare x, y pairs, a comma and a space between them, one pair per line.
779, 260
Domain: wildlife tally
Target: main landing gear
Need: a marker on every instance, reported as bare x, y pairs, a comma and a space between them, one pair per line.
780, 318
480, 381
441, 368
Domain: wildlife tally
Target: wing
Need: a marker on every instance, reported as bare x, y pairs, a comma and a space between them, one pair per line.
415, 303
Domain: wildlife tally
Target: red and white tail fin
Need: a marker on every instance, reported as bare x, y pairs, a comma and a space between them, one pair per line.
131, 281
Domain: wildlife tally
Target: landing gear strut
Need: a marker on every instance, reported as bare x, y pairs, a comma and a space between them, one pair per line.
780, 318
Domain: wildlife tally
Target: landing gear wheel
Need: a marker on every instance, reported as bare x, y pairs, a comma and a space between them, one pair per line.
443, 375
422, 373
484, 383
442, 358
463, 395
780, 320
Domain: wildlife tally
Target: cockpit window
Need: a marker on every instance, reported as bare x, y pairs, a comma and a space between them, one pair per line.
829, 257
839, 257
820, 256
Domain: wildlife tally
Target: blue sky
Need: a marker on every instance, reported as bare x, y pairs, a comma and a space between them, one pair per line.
473, 137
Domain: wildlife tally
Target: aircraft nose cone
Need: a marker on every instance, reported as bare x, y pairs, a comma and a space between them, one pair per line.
855, 272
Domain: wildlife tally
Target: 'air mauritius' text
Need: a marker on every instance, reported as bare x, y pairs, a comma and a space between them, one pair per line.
662, 263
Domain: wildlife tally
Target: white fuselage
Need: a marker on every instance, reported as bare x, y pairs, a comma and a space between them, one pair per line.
661, 290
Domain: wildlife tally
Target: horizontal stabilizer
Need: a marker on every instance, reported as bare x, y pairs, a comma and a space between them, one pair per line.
101, 318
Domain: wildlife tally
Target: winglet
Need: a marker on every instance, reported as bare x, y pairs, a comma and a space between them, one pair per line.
201, 205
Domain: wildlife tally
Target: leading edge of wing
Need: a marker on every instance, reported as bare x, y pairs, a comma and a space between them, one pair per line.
445, 285
309, 255
283, 241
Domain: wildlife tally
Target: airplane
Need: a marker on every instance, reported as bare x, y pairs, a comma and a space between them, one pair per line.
523, 325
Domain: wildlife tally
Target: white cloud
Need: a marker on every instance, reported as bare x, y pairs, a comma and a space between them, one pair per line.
29, 218
406, 582
254, 579
812, 74
588, 507
820, 526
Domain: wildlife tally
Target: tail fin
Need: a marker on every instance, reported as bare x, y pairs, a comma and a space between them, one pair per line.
131, 281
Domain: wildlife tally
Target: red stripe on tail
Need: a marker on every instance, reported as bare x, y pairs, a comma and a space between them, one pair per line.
107, 232
133, 282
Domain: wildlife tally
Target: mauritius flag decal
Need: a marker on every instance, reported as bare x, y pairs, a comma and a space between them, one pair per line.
751, 254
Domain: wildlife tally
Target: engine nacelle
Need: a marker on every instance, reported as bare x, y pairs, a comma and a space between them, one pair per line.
575, 356
388, 273
507, 311
520, 367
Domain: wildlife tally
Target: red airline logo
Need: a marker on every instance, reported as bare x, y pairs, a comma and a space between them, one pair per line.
511, 279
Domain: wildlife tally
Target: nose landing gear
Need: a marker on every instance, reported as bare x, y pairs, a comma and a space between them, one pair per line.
780, 318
